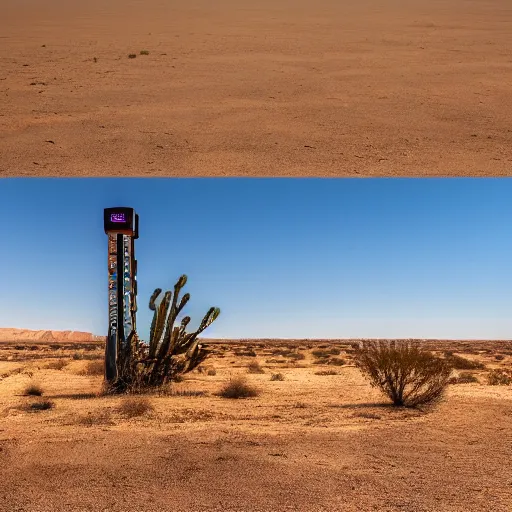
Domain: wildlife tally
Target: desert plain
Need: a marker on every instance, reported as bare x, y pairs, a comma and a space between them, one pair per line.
317, 438
255, 88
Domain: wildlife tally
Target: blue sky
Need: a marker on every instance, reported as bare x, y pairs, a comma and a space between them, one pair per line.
335, 258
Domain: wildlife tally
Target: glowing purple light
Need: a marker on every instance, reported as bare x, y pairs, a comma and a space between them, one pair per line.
117, 217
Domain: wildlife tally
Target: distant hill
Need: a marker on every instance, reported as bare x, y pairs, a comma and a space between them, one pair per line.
10, 334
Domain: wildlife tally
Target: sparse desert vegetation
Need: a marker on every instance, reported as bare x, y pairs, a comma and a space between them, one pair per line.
134, 406
408, 374
33, 389
238, 387
326, 420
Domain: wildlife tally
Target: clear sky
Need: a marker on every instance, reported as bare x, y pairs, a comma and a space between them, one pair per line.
335, 258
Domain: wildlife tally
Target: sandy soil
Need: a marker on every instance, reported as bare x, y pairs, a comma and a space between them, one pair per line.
307, 443
246, 88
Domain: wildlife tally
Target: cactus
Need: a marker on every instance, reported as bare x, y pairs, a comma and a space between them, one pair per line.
171, 350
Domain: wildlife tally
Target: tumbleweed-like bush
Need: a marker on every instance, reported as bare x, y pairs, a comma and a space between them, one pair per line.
171, 351
409, 375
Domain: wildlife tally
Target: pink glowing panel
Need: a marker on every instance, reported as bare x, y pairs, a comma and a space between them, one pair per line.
117, 217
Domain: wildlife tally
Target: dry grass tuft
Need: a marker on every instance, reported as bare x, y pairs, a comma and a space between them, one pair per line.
135, 406
93, 368
326, 372
33, 390
238, 388
461, 363
499, 378
463, 378
57, 365
277, 376
101, 417
255, 367
40, 405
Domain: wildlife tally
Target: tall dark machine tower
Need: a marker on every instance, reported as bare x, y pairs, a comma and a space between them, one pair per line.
122, 228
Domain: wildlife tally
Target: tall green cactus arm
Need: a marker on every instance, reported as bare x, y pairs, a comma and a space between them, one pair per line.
157, 328
174, 312
153, 298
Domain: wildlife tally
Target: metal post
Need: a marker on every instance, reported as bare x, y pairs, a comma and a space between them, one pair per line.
121, 226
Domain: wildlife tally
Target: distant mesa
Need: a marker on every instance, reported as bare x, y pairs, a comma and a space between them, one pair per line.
10, 334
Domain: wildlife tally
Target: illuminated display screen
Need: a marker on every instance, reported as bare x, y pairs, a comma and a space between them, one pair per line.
117, 217
119, 220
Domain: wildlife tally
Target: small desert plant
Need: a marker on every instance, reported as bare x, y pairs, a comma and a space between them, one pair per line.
326, 372
132, 56
94, 368
144, 52
407, 374
187, 392
277, 376
78, 356
171, 351
33, 390
463, 378
500, 378
335, 351
499, 357
211, 372
367, 415
132, 407
337, 361
41, 405
57, 365
321, 361
245, 353
461, 363
238, 388
102, 417
255, 367
321, 354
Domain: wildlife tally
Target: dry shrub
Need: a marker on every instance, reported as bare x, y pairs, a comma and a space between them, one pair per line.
78, 356
94, 368
277, 376
187, 392
40, 405
57, 365
499, 357
135, 406
211, 372
326, 372
321, 361
337, 361
463, 378
102, 417
321, 354
33, 390
238, 388
335, 351
461, 363
255, 367
407, 374
367, 415
500, 378
245, 353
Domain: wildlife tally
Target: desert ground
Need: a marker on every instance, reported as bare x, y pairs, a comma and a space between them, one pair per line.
255, 88
322, 439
